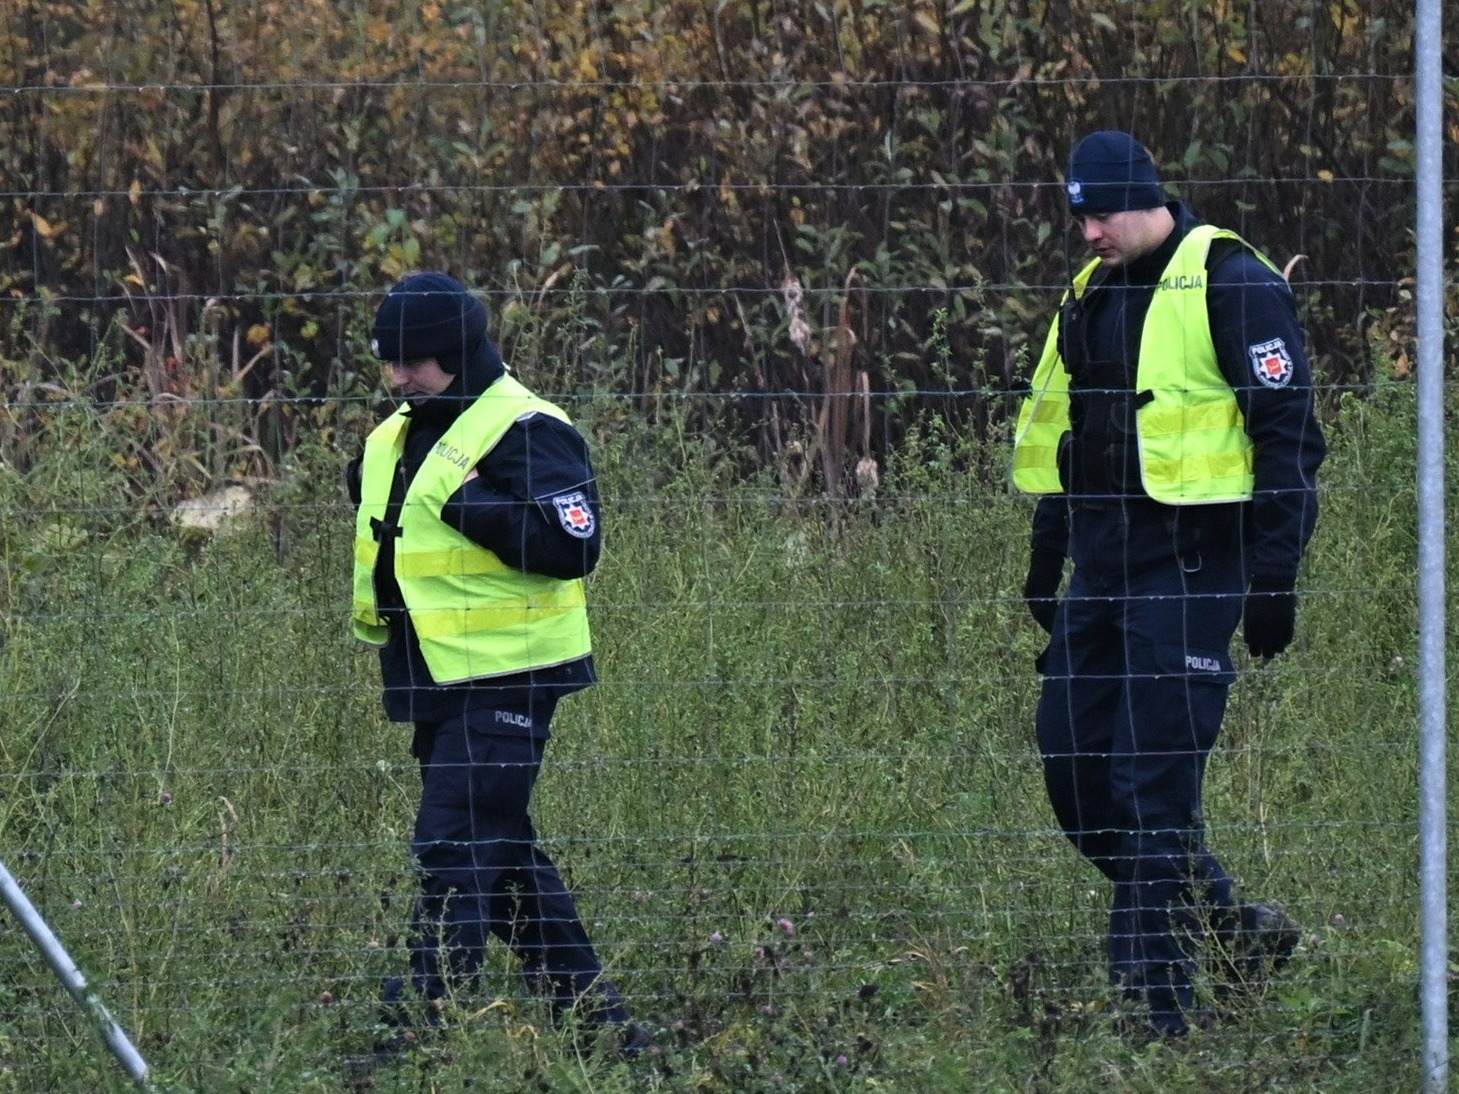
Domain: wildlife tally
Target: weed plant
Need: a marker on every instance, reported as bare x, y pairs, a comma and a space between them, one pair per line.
803, 811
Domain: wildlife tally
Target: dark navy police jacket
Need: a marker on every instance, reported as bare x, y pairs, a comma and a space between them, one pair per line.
508, 510
1249, 306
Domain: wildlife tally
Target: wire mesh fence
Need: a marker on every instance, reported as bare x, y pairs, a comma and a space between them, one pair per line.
793, 309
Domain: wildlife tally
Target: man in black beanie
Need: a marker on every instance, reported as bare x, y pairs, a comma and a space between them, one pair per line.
478, 519
1171, 436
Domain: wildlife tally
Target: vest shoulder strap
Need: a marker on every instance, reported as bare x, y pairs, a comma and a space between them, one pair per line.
1222, 248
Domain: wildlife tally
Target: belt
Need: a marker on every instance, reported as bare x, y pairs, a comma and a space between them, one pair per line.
1117, 503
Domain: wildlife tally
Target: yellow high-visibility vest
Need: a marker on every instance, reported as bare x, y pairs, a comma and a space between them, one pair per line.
474, 615
1191, 434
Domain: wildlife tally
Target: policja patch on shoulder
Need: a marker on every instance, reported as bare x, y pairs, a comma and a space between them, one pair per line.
1271, 362
575, 514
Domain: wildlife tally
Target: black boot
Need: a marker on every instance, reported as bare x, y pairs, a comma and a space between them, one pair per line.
400, 1035
601, 1010
1260, 940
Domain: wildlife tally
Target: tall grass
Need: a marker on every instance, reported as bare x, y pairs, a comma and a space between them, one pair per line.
802, 811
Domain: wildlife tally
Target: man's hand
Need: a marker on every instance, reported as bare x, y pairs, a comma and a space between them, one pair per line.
351, 479
1041, 586
1269, 618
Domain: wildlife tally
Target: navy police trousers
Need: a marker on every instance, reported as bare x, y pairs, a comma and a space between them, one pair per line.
1135, 684
482, 872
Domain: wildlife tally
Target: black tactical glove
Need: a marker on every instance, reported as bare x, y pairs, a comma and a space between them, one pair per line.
1041, 586
1269, 618
351, 479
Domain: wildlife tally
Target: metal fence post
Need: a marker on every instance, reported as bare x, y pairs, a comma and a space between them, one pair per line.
70, 976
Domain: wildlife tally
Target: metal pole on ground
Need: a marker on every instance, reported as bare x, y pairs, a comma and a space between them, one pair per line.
1433, 822
70, 976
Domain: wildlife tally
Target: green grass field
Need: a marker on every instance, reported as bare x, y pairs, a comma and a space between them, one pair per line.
802, 812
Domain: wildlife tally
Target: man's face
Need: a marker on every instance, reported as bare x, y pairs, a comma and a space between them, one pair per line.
1117, 239
418, 380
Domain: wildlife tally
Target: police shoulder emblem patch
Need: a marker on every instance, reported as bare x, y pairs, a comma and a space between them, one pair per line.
1271, 362
575, 514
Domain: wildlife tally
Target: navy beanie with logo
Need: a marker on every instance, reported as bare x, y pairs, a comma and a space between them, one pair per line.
1111, 172
429, 315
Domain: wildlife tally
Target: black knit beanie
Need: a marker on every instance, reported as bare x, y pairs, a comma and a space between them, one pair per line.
429, 315
1111, 172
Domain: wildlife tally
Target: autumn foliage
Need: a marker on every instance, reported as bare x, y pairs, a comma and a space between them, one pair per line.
751, 204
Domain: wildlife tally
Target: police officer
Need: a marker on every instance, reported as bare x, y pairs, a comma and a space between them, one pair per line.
1170, 433
478, 518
